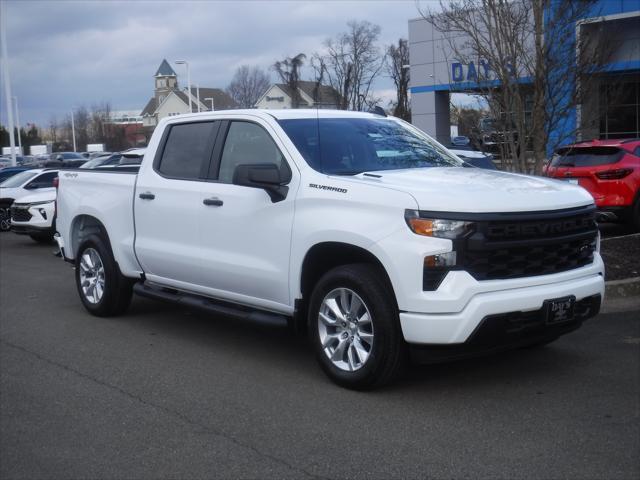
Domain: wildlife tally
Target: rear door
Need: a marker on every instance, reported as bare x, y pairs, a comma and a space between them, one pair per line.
168, 205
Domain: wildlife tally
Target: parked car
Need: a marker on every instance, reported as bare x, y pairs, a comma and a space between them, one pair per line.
65, 164
475, 158
357, 227
66, 156
103, 160
460, 141
5, 162
609, 170
33, 215
21, 185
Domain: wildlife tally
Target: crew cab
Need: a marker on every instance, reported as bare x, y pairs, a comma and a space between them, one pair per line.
358, 228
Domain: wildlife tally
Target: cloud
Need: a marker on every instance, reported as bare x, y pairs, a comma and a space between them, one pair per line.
69, 53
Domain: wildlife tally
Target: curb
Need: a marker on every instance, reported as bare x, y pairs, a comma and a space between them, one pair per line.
629, 287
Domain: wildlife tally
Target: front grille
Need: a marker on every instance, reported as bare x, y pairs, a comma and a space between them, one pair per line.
20, 214
525, 245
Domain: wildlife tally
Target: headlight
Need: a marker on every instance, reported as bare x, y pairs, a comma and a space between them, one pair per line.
435, 227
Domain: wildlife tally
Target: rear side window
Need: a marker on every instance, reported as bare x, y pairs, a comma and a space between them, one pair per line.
586, 156
187, 148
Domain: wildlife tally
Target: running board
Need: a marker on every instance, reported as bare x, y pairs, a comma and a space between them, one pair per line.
212, 306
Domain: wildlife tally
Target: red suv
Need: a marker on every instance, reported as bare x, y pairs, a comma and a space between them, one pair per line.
609, 170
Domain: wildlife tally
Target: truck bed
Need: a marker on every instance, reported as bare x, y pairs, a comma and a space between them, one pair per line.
107, 195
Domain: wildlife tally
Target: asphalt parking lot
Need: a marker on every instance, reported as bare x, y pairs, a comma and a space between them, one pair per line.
167, 393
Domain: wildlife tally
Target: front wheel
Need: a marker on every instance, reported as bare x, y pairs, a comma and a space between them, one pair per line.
5, 219
104, 291
354, 326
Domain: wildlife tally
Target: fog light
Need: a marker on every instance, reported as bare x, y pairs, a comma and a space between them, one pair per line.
441, 260
43, 212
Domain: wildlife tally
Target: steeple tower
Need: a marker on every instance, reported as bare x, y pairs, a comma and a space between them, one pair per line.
166, 81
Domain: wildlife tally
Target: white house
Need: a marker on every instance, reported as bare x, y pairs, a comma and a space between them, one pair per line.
169, 100
280, 95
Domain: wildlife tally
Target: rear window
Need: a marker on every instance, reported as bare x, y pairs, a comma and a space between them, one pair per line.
586, 156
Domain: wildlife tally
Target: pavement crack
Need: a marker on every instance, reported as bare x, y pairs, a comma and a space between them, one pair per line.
173, 413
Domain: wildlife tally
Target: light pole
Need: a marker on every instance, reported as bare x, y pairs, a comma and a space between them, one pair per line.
198, 96
185, 63
15, 100
211, 99
7, 79
73, 131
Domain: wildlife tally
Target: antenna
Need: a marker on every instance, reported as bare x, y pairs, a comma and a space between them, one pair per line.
319, 142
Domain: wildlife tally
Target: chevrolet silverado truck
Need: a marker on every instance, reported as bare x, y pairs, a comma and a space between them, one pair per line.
357, 228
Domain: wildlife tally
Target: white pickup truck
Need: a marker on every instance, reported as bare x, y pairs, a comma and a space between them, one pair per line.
358, 228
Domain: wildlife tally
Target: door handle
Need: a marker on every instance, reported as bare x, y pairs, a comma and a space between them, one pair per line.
147, 196
215, 202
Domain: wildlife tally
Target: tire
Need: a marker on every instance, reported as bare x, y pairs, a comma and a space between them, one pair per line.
5, 219
367, 346
42, 237
95, 264
635, 216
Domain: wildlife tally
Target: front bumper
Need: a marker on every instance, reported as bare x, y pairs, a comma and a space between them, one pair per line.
507, 331
457, 327
26, 229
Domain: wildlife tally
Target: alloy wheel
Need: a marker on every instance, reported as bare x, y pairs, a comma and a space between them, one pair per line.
345, 329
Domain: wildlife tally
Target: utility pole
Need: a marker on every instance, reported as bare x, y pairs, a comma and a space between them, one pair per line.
7, 79
15, 99
185, 63
73, 131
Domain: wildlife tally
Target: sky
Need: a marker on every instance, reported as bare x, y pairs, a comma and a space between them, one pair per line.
67, 53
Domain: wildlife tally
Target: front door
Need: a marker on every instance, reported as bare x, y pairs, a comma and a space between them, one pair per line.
245, 236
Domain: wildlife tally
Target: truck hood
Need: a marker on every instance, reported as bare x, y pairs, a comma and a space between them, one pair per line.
475, 190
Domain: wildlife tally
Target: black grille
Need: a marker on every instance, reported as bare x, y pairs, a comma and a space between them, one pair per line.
534, 244
20, 214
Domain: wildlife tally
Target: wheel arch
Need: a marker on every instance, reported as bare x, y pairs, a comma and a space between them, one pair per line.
324, 256
81, 227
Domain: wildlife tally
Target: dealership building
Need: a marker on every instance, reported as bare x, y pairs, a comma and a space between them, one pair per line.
436, 74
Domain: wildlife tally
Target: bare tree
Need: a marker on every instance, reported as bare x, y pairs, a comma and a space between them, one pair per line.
54, 128
247, 85
527, 47
397, 67
289, 72
353, 61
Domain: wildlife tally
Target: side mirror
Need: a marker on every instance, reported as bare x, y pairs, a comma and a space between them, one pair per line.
263, 175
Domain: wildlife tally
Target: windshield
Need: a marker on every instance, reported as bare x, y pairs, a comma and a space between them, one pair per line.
348, 146
18, 179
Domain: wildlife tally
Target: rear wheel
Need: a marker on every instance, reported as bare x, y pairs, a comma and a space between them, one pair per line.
354, 326
104, 291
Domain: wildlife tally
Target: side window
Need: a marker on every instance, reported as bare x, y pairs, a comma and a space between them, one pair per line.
187, 147
637, 152
42, 181
247, 143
